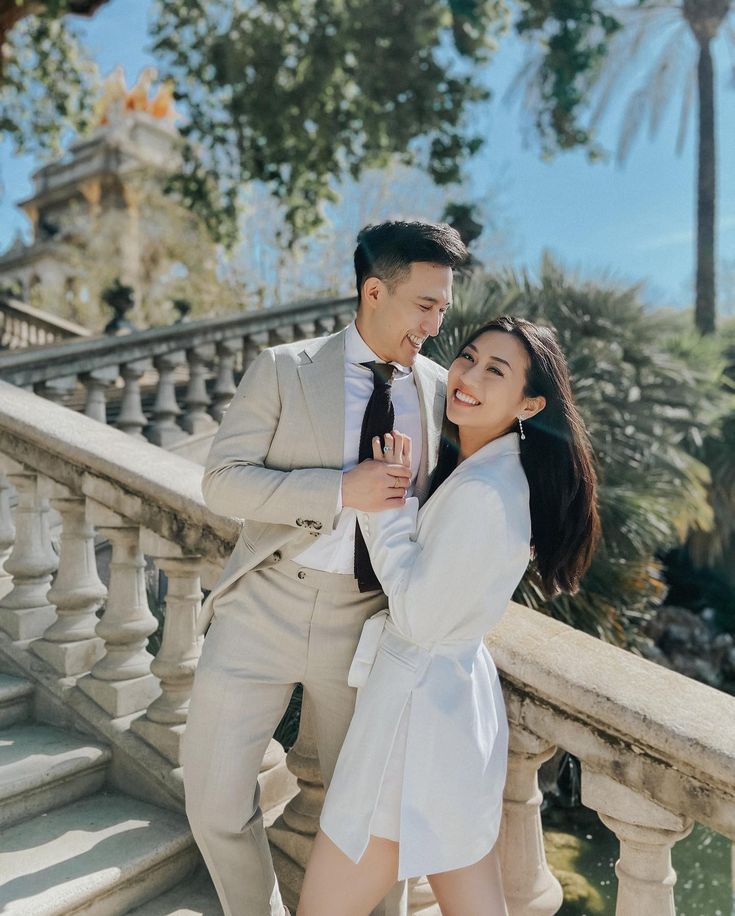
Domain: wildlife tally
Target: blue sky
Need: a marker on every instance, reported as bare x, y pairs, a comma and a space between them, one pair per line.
635, 222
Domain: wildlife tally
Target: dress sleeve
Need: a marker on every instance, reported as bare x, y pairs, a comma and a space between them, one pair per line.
434, 575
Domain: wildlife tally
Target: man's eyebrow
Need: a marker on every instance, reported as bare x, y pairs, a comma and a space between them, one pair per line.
498, 359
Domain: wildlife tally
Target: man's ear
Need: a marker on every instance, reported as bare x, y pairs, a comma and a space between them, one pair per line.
371, 290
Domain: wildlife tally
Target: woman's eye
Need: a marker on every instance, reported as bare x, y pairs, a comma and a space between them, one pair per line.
496, 371
466, 356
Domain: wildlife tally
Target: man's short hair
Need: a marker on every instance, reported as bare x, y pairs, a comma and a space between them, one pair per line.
387, 250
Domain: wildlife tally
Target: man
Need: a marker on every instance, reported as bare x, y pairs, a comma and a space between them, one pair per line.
290, 605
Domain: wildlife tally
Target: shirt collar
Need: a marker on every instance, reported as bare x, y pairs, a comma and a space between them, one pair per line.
357, 351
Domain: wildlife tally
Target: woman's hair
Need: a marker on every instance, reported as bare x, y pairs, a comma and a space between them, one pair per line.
556, 457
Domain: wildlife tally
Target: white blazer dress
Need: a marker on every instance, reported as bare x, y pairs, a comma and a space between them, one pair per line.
424, 759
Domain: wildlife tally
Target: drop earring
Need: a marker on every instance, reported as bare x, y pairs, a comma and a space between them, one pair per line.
520, 427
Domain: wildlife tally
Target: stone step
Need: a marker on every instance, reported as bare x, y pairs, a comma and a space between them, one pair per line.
16, 700
101, 856
195, 897
42, 768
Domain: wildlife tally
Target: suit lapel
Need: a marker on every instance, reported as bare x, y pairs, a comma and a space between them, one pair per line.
322, 376
432, 395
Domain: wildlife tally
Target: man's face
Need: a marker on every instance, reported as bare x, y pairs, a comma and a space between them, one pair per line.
396, 323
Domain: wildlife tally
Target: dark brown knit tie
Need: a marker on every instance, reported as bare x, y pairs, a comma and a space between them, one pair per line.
378, 420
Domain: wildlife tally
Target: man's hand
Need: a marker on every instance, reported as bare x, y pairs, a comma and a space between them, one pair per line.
374, 485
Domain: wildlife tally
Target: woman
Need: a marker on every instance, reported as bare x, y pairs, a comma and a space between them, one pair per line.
419, 782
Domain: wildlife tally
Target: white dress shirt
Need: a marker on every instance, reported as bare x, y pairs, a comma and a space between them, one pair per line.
334, 551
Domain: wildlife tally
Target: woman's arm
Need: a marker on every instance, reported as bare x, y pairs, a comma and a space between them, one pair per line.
430, 579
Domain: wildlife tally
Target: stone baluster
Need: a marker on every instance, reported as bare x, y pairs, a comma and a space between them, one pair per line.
304, 329
342, 319
253, 344
279, 335
325, 325
163, 724
528, 882
70, 645
224, 386
96, 382
196, 419
164, 430
121, 681
292, 834
56, 389
7, 534
25, 611
646, 832
131, 418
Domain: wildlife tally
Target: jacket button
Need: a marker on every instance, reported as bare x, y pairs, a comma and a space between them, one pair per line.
276, 556
301, 574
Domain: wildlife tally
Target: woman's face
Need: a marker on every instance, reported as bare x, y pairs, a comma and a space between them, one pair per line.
486, 384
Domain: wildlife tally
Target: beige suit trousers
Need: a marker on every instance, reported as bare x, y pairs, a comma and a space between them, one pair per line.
272, 629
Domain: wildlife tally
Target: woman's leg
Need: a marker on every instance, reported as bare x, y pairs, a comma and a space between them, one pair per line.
476, 890
335, 886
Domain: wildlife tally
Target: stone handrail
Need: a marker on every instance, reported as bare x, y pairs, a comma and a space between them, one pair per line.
80, 357
23, 325
134, 381
655, 747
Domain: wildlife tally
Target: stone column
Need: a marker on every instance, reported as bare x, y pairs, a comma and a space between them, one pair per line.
196, 419
342, 319
325, 325
646, 832
131, 418
293, 832
25, 611
70, 645
530, 887
164, 430
7, 534
252, 345
164, 722
224, 387
96, 383
56, 389
304, 329
121, 682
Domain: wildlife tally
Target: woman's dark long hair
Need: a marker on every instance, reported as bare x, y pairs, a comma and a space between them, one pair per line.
556, 457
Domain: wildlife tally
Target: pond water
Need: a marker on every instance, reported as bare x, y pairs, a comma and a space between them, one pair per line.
702, 862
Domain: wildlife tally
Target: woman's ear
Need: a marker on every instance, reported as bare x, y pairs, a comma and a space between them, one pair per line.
533, 406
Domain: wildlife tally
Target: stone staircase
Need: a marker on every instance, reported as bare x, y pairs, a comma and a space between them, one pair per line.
69, 843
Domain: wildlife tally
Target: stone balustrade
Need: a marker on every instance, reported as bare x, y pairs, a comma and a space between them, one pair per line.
22, 325
135, 381
655, 747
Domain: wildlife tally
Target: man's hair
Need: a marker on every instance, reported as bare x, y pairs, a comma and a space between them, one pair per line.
387, 250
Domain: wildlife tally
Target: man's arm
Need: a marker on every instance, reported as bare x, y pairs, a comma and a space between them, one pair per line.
237, 483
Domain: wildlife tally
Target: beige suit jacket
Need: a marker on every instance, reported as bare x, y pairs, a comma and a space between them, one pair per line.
276, 461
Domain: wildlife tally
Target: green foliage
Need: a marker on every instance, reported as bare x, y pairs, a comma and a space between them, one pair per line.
573, 37
650, 392
48, 85
295, 94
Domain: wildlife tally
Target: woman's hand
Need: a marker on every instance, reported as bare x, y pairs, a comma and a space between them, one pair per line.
397, 449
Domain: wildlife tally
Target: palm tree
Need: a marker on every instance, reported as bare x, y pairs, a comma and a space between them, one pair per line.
650, 392
671, 41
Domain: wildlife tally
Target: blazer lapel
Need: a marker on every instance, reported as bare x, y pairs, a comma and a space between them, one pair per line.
322, 376
432, 396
